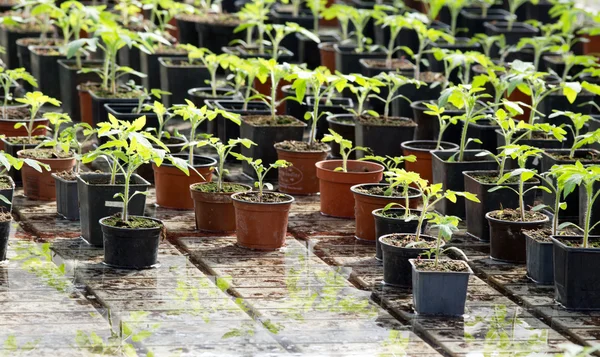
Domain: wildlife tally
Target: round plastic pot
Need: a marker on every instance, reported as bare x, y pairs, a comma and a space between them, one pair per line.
422, 150
12, 149
67, 198
365, 204
378, 137
342, 124
301, 177
261, 226
7, 128
442, 293
172, 184
576, 274
507, 241
327, 54
85, 106
397, 270
214, 211
337, 199
388, 225
540, 260
4, 235
127, 248
450, 175
477, 225
41, 185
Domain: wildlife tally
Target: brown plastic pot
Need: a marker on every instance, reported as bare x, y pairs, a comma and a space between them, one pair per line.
507, 241
41, 185
592, 45
7, 128
301, 177
214, 211
518, 96
327, 53
85, 105
422, 150
337, 199
365, 204
261, 226
173, 185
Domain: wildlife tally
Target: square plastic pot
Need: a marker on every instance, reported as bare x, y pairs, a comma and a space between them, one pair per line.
178, 79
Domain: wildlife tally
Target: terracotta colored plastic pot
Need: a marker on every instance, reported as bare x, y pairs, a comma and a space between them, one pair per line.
592, 47
214, 211
518, 96
365, 204
173, 185
422, 150
336, 198
301, 177
261, 226
85, 105
41, 185
327, 54
7, 128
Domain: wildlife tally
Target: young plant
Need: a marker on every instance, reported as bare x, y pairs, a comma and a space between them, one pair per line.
394, 81
56, 120
345, 148
455, 7
69, 135
550, 182
197, 116
275, 73
571, 60
521, 153
261, 171
578, 122
446, 227
210, 60
571, 176
395, 23
253, 16
487, 42
400, 177
444, 121
35, 100
540, 45
341, 13
223, 151
9, 77
163, 117
145, 95
245, 72
494, 76
8, 161
362, 87
276, 33
461, 61
359, 19
513, 6
316, 7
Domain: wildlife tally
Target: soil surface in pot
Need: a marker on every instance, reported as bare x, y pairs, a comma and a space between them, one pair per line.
513, 215
543, 235
402, 241
301, 146
579, 243
267, 197
46, 51
430, 77
166, 50
121, 93
396, 63
220, 19
381, 191
5, 183
39, 42
583, 156
181, 62
19, 113
211, 187
67, 175
93, 86
5, 217
442, 266
386, 121
132, 222
267, 120
45, 154
16, 140
493, 178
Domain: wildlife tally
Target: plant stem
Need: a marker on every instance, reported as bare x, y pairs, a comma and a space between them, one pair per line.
312, 137
213, 80
521, 203
437, 248
273, 95
589, 190
125, 214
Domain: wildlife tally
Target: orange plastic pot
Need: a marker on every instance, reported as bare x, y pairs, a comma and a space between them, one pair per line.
85, 106
518, 96
301, 177
7, 128
336, 198
422, 150
261, 226
592, 46
173, 185
327, 54
365, 204
214, 211
41, 185
265, 89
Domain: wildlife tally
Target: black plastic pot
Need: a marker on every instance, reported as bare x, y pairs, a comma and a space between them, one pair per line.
150, 66
477, 225
512, 37
200, 96
387, 225
45, 69
307, 48
126, 111
576, 274
178, 80
247, 52
304, 19
450, 175
4, 235
485, 131
292, 107
127, 248
69, 80
99, 112
67, 198
471, 19
8, 193
342, 124
265, 137
96, 201
539, 11
347, 59
593, 125
507, 241
215, 36
428, 127
383, 140
12, 149
8, 40
540, 260
442, 293
339, 105
130, 57
462, 44
397, 270
226, 129
595, 216
187, 32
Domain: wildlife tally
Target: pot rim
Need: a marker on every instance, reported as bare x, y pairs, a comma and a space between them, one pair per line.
349, 102
56, 177
407, 145
434, 154
353, 189
113, 108
57, 159
577, 249
161, 60
133, 229
331, 118
524, 26
547, 152
381, 242
166, 163
290, 199
380, 168
469, 270
524, 223
218, 102
219, 193
417, 105
296, 122
377, 213
140, 179
470, 172
307, 153
10, 181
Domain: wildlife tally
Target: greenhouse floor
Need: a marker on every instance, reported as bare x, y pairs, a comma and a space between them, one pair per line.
321, 295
